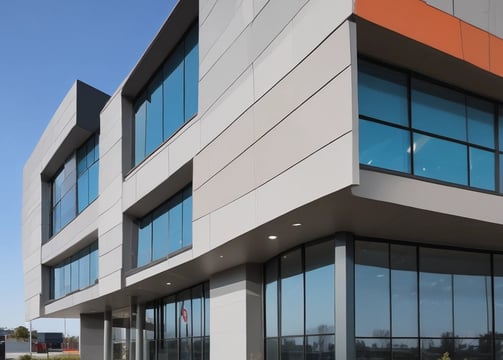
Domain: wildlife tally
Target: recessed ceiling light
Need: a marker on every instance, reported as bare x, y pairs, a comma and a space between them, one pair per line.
221, 256
168, 283
272, 237
296, 224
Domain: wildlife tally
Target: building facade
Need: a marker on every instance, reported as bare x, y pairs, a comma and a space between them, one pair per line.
307, 179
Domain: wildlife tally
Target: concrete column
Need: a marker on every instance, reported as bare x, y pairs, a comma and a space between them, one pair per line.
344, 297
236, 324
91, 336
107, 336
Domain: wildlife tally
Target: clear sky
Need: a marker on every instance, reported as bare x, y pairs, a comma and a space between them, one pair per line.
44, 47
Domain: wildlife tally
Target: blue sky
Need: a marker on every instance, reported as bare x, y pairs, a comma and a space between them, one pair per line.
44, 47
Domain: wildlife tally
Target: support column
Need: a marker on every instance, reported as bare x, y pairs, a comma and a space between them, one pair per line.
344, 297
107, 336
236, 326
140, 324
91, 336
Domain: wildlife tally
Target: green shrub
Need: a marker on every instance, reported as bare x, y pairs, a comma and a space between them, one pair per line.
25, 357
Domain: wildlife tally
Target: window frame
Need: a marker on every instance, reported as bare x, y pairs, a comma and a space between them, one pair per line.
275, 265
147, 221
73, 262
143, 96
73, 157
491, 255
160, 336
469, 97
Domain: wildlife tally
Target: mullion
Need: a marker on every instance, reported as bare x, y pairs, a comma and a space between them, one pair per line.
409, 122
468, 157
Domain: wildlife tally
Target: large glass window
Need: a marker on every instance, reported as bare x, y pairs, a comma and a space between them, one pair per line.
121, 325
292, 294
436, 301
76, 185
167, 229
170, 99
177, 327
384, 146
438, 110
413, 125
63, 196
87, 173
75, 273
300, 303
382, 94
372, 298
440, 159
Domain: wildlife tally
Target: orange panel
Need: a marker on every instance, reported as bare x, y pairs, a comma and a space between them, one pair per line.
421, 22
475, 45
496, 55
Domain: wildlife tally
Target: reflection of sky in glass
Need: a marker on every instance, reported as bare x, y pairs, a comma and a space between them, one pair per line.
292, 303
432, 103
384, 146
382, 93
292, 294
436, 304
372, 316
482, 171
404, 302
271, 306
320, 300
472, 305
480, 115
319, 282
455, 300
440, 159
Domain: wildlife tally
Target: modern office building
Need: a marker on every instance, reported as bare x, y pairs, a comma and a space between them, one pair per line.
301, 179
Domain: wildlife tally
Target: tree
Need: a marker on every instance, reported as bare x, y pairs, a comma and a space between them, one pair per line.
21, 332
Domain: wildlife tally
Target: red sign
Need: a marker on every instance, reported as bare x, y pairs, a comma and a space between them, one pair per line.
184, 315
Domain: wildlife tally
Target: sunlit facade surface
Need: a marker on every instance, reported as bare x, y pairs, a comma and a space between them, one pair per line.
281, 180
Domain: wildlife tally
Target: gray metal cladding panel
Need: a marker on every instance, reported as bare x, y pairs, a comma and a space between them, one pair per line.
444, 5
473, 12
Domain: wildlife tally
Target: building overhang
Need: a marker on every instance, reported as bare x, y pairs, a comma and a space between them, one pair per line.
184, 13
385, 206
390, 47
